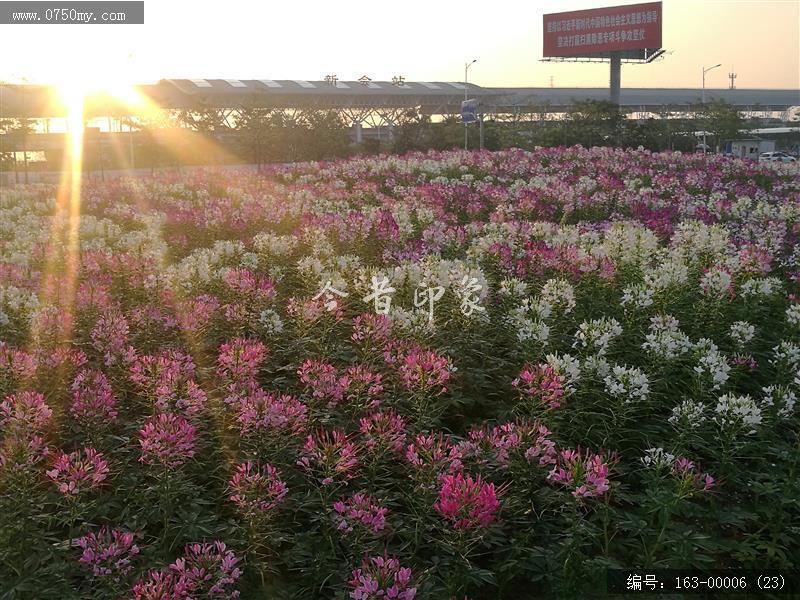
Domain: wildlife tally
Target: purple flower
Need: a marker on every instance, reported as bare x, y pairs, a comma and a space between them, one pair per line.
383, 430
162, 585
382, 577
331, 454
78, 471
371, 331
93, 401
255, 489
168, 380
25, 413
110, 337
240, 359
167, 439
208, 570
361, 511
108, 552
19, 454
259, 411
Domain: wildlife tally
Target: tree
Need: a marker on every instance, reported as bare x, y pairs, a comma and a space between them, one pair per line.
594, 123
722, 120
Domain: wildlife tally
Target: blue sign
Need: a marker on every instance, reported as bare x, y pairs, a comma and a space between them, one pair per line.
469, 111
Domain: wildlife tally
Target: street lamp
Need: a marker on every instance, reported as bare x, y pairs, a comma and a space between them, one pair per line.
466, 68
703, 101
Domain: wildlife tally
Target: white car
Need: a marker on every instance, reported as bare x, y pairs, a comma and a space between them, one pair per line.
776, 157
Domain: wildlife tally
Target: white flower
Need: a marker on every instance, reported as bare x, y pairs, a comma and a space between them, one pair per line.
513, 287
596, 364
597, 334
665, 340
737, 411
741, 333
688, 414
779, 397
559, 293
716, 282
761, 287
639, 296
566, 366
793, 315
712, 365
627, 384
271, 321
787, 353
657, 458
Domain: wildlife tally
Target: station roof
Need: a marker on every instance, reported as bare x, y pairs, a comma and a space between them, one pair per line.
431, 97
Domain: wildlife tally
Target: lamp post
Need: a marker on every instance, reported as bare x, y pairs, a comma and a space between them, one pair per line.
466, 68
703, 101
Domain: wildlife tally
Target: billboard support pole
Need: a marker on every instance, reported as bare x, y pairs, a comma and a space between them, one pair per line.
615, 77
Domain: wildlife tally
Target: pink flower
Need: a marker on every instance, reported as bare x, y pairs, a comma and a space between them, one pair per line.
110, 337
468, 503
690, 476
108, 552
93, 401
20, 454
321, 378
60, 358
25, 413
240, 359
434, 453
331, 454
542, 384
382, 578
167, 378
78, 471
247, 283
162, 585
208, 570
167, 439
16, 364
426, 371
256, 489
359, 510
371, 331
260, 411
195, 314
362, 386
383, 430
587, 476
309, 310
497, 443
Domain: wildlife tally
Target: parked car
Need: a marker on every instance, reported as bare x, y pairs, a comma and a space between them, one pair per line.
776, 157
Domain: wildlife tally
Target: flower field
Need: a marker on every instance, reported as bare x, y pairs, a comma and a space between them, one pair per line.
443, 375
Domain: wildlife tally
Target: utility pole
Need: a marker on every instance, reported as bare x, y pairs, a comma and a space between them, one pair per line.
732, 77
704, 99
466, 68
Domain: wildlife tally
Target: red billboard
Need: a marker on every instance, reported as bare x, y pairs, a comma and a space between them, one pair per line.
598, 31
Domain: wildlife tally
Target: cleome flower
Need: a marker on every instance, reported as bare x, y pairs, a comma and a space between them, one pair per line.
108, 552
78, 471
359, 511
256, 489
167, 439
466, 502
587, 476
382, 578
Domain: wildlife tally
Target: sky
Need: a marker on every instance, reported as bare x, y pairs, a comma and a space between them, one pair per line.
422, 40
